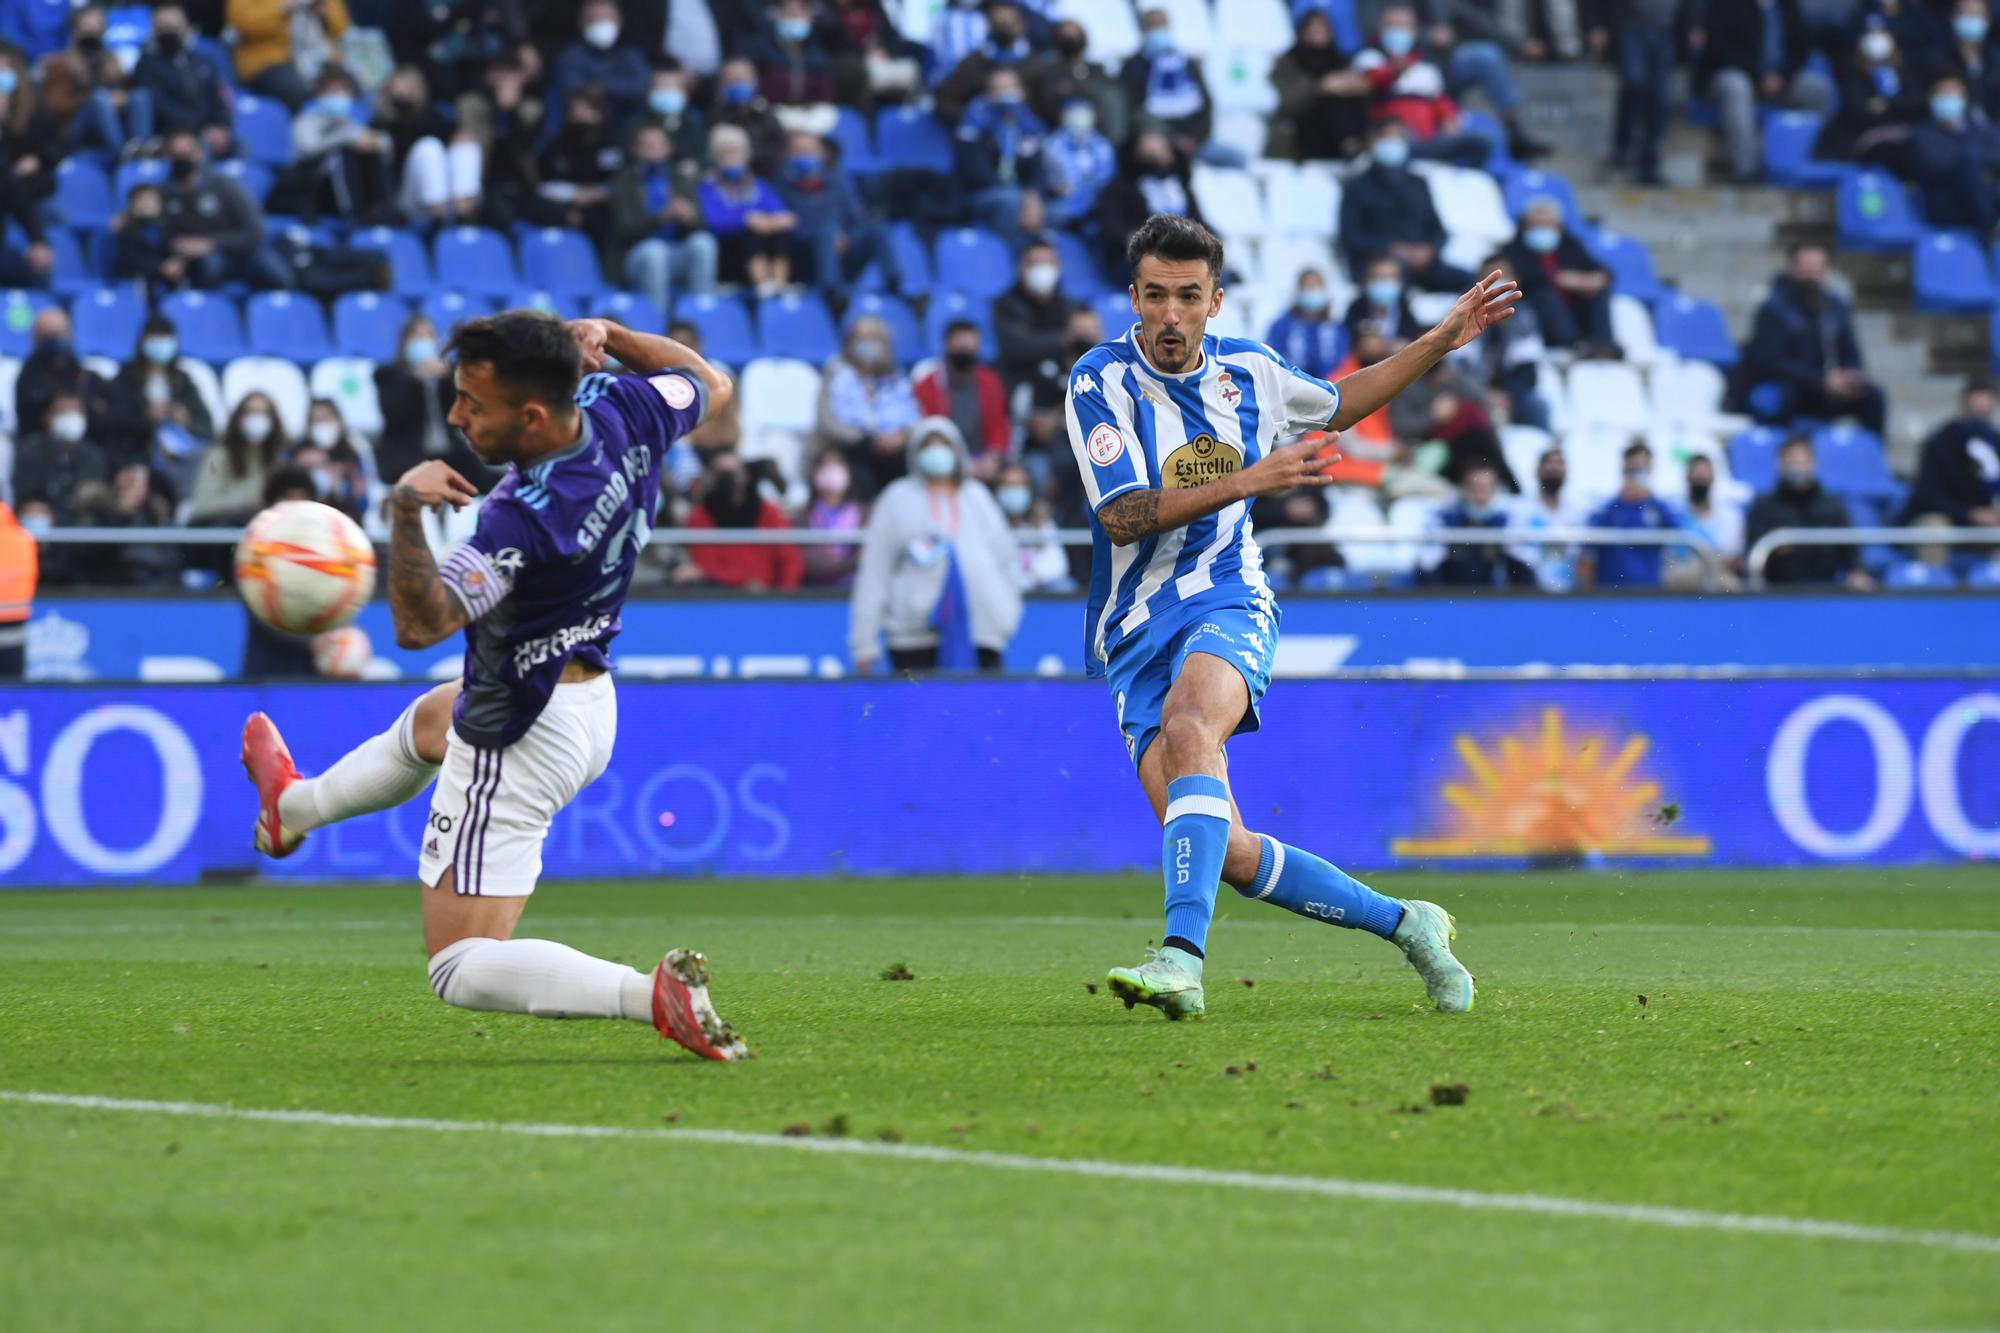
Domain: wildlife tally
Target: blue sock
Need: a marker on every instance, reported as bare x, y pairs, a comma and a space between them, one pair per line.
1300, 882
1197, 836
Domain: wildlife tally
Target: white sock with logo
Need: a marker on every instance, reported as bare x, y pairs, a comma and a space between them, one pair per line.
538, 977
382, 772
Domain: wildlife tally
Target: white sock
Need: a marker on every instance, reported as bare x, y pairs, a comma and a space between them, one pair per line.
382, 772
539, 977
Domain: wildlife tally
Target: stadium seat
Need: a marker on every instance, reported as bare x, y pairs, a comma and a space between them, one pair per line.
1950, 274
1263, 26
948, 306
70, 274
1523, 447
10, 378
1114, 31
851, 135
254, 177
264, 130
780, 414
907, 139
287, 324
1851, 461
560, 304
1522, 185
1303, 200
1871, 211
1630, 262
974, 261
1632, 330
134, 172
797, 325
906, 339
1239, 80
107, 323
1753, 457
1349, 509
1687, 392
1114, 311
632, 310
17, 320
1282, 258
1596, 461
1082, 281
1607, 394
1673, 448
475, 259
913, 260
445, 309
350, 382
1906, 575
83, 195
206, 383
368, 324
1191, 21
1694, 328
1230, 202
724, 326
1248, 132
1789, 137
283, 381
208, 323
409, 264
1985, 574
1472, 209
1499, 161
561, 261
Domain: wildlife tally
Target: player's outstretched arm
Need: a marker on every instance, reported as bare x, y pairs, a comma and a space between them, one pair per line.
423, 609
1366, 391
1137, 515
646, 353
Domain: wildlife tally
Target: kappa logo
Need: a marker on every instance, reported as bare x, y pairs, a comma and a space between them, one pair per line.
1250, 659
1105, 445
1082, 385
678, 390
1255, 640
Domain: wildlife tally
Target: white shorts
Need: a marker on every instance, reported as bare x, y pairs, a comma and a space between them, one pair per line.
491, 809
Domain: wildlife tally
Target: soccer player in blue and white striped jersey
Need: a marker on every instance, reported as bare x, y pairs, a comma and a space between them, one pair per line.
1176, 432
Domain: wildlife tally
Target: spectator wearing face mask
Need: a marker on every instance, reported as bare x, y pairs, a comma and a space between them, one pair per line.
129, 500
738, 103
1562, 282
669, 106
1477, 509
175, 87
1307, 335
1168, 93
1881, 102
83, 90
1077, 163
1003, 44
1387, 210
1955, 161
1063, 72
444, 163
1155, 179
1971, 53
959, 386
1550, 505
27, 179
416, 394
1507, 360
791, 60
1031, 323
154, 412
600, 56
1322, 99
57, 458
348, 166
659, 240
834, 507
836, 238
752, 227
139, 244
939, 580
1406, 85
1803, 358
52, 368
1383, 307
212, 225
1799, 501
229, 484
341, 465
1634, 507
998, 150
1044, 565
867, 406
1711, 516
575, 170
728, 497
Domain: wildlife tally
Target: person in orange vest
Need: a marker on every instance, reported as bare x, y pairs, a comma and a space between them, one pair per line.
20, 563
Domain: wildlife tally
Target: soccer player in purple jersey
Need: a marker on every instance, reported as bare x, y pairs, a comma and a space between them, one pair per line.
538, 590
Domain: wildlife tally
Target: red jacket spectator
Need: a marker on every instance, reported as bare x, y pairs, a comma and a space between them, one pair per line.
1410, 89
993, 434
769, 567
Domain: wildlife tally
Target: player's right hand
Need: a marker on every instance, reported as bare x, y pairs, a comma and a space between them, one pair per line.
433, 485
1290, 466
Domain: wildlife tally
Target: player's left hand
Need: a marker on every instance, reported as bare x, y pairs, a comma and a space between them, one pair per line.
590, 335
1489, 302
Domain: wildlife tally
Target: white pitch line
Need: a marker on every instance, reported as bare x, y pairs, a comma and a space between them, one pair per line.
1545, 1205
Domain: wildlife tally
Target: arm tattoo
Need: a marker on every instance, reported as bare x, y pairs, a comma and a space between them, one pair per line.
419, 603
1131, 516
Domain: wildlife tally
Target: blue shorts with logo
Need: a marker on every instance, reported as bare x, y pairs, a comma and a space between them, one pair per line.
1238, 627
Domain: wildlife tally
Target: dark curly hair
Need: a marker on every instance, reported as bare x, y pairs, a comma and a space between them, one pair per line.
1177, 238
531, 354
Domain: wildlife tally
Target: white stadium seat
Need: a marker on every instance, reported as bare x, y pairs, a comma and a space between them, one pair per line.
1632, 330
1688, 391
350, 382
1258, 25
1608, 394
1523, 447
1555, 393
202, 376
1245, 131
1595, 459
1673, 446
1230, 201
1239, 79
1192, 22
275, 376
780, 398
10, 374
1280, 260
1304, 200
1111, 24
1472, 209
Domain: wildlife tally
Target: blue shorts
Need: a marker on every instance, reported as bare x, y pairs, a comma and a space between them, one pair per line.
1242, 630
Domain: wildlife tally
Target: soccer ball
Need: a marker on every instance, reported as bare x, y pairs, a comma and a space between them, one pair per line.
304, 567
342, 654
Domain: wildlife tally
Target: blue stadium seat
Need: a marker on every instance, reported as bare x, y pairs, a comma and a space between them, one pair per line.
1985, 574
254, 177
1498, 161
1631, 265
17, 321
136, 171
561, 261
445, 309
905, 337
798, 326
409, 264
1789, 137
946, 307
475, 259
368, 324
972, 260
1915, 574
1082, 281
857, 146
563, 305
907, 139
1851, 461
209, 327
1871, 211
1694, 328
1525, 183
912, 260
1114, 310
632, 310
107, 323
1951, 275
724, 326
71, 274
83, 194
264, 129
1753, 457
288, 325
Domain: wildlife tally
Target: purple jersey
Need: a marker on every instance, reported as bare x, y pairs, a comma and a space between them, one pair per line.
544, 575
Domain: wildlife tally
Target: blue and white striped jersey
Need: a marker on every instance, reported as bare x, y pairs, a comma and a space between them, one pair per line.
1132, 427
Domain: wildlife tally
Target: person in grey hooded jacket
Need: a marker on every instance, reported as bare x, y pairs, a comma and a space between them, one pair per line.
919, 523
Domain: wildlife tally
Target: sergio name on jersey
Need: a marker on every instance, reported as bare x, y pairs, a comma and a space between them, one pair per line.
1133, 427
544, 576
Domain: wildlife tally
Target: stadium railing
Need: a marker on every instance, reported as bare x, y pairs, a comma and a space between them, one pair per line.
1759, 555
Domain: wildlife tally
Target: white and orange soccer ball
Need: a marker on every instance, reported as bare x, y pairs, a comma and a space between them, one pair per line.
304, 567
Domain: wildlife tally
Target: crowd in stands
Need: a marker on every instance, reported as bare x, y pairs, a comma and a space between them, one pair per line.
237, 233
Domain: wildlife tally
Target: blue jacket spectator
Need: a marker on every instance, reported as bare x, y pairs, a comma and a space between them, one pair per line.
1387, 210
1307, 335
1637, 508
1802, 345
1971, 53
999, 153
1077, 163
792, 64
182, 87
752, 227
836, 236
38, 27
1002, 43
1166, 88
1911, 23
599, 57
1953, 159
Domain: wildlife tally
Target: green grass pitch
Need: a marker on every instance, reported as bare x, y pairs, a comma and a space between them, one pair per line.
1811, 1046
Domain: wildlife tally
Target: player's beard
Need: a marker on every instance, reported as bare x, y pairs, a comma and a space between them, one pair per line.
1176, 361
